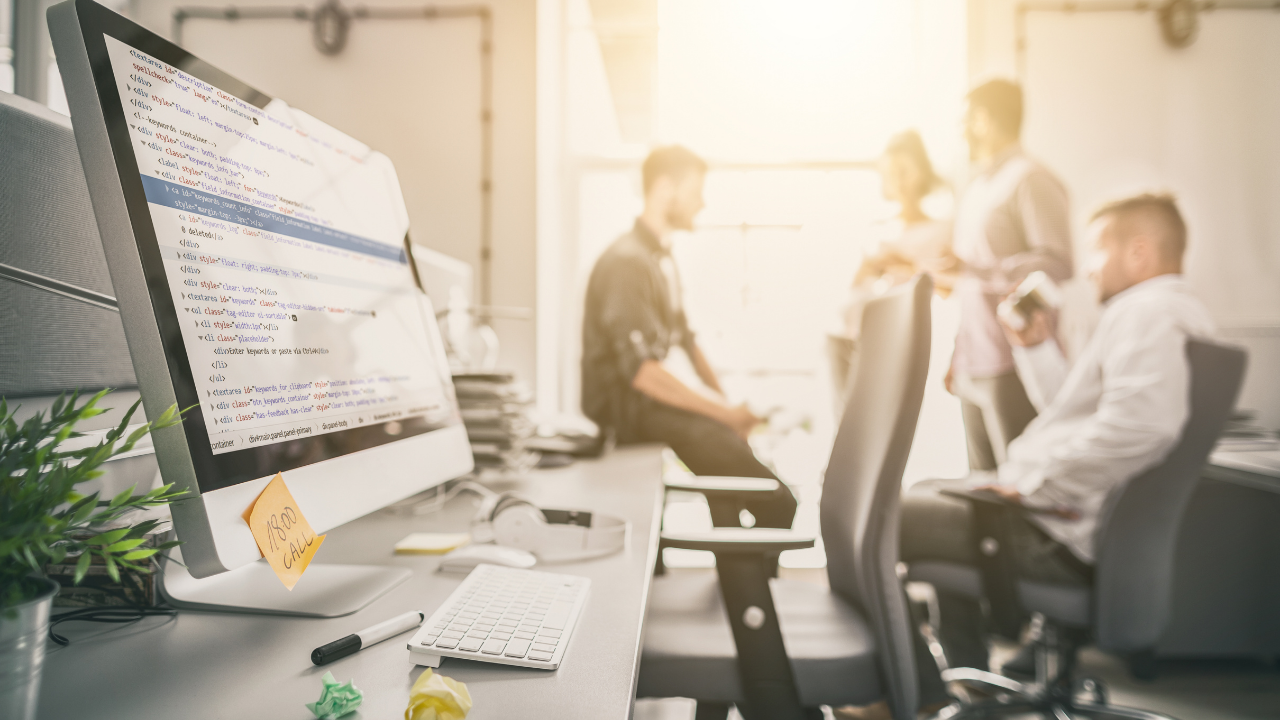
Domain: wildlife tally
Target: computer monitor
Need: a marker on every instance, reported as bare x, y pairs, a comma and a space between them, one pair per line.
261, 264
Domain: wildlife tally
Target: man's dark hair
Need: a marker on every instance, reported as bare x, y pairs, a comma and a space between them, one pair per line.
672, 161
1155, 212
1002, 99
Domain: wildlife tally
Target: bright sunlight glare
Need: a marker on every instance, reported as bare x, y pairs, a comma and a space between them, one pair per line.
787, 79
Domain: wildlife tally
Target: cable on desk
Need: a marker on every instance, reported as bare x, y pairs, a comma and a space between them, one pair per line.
113, 614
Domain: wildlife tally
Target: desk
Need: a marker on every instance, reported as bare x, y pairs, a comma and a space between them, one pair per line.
1257, 469
213, 665
1227, 566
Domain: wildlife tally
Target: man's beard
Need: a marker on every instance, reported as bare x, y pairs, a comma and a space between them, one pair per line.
678, 219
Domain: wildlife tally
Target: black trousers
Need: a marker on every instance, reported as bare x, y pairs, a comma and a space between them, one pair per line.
709, 447
938, 527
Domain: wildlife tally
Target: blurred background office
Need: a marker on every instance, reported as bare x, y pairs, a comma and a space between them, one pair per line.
518, 128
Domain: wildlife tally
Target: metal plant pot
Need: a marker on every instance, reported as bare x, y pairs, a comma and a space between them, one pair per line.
22, 638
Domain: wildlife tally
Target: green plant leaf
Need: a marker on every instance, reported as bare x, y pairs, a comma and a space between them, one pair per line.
112, 570
87, 506
139, 554
123, 545
82, 567
142, 528
108, 537
31, 559
123, 496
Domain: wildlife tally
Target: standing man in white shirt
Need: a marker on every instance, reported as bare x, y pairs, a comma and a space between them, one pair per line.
1012, 220
1117, 412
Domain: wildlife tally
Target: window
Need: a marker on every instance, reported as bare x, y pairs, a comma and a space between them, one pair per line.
791, 102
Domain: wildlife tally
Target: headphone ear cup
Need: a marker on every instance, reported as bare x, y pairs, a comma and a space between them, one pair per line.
504, 501
519, 524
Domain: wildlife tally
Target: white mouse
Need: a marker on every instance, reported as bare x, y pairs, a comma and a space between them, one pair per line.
465, 558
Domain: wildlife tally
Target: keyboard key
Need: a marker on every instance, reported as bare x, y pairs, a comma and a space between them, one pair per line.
473, 633
452, 634
543, 656
462, 627
500, 635
558, 616
483, 626
426, 641
517, 648
543, 647
493, 647
471, 644
446, 643
524, 635
550, 633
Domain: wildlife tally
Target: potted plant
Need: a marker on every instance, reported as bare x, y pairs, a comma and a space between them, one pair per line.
44, 520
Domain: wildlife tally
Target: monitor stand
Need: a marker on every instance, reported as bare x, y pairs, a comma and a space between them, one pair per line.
324, 590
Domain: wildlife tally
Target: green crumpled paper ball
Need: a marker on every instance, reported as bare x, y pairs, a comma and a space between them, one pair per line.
336, 699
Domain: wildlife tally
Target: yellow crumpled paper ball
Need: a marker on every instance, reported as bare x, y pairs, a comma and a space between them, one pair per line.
436, 697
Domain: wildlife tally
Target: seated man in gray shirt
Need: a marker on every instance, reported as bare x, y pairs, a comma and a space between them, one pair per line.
634, 319
1118, 411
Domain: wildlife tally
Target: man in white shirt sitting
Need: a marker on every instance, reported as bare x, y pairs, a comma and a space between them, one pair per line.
1116, 412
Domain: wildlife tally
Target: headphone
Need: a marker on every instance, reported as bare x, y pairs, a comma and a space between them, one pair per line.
552, 535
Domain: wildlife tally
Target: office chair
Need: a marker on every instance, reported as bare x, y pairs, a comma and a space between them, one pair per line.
1129, 603
778, 649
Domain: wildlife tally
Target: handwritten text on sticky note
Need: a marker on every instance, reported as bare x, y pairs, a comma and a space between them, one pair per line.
284, 536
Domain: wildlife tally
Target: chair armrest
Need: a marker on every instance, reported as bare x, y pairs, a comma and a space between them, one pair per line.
757, 541
718, 486
743, 560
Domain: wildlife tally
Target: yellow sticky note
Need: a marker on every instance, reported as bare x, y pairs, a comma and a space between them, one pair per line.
284, 536
436, 697
431, 543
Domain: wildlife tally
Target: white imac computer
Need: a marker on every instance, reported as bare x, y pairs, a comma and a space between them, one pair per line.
261, 264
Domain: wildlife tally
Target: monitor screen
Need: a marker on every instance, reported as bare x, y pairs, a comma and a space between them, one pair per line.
296, 324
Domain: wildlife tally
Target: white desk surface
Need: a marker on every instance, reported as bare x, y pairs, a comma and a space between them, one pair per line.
227, 666
1259, 469
1263, 462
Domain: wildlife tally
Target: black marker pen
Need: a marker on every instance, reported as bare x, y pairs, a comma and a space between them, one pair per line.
350, 644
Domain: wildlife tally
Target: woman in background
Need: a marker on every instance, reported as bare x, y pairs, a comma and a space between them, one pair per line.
920, 243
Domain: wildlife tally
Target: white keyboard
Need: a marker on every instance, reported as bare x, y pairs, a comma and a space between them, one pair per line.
504, 615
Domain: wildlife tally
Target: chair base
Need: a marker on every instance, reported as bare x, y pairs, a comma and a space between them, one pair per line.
1012, 698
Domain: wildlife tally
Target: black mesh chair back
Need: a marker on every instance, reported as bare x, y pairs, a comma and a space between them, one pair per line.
1139, 527
863, 482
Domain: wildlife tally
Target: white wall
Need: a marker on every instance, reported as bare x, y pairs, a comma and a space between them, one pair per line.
411, 89
1115, 111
